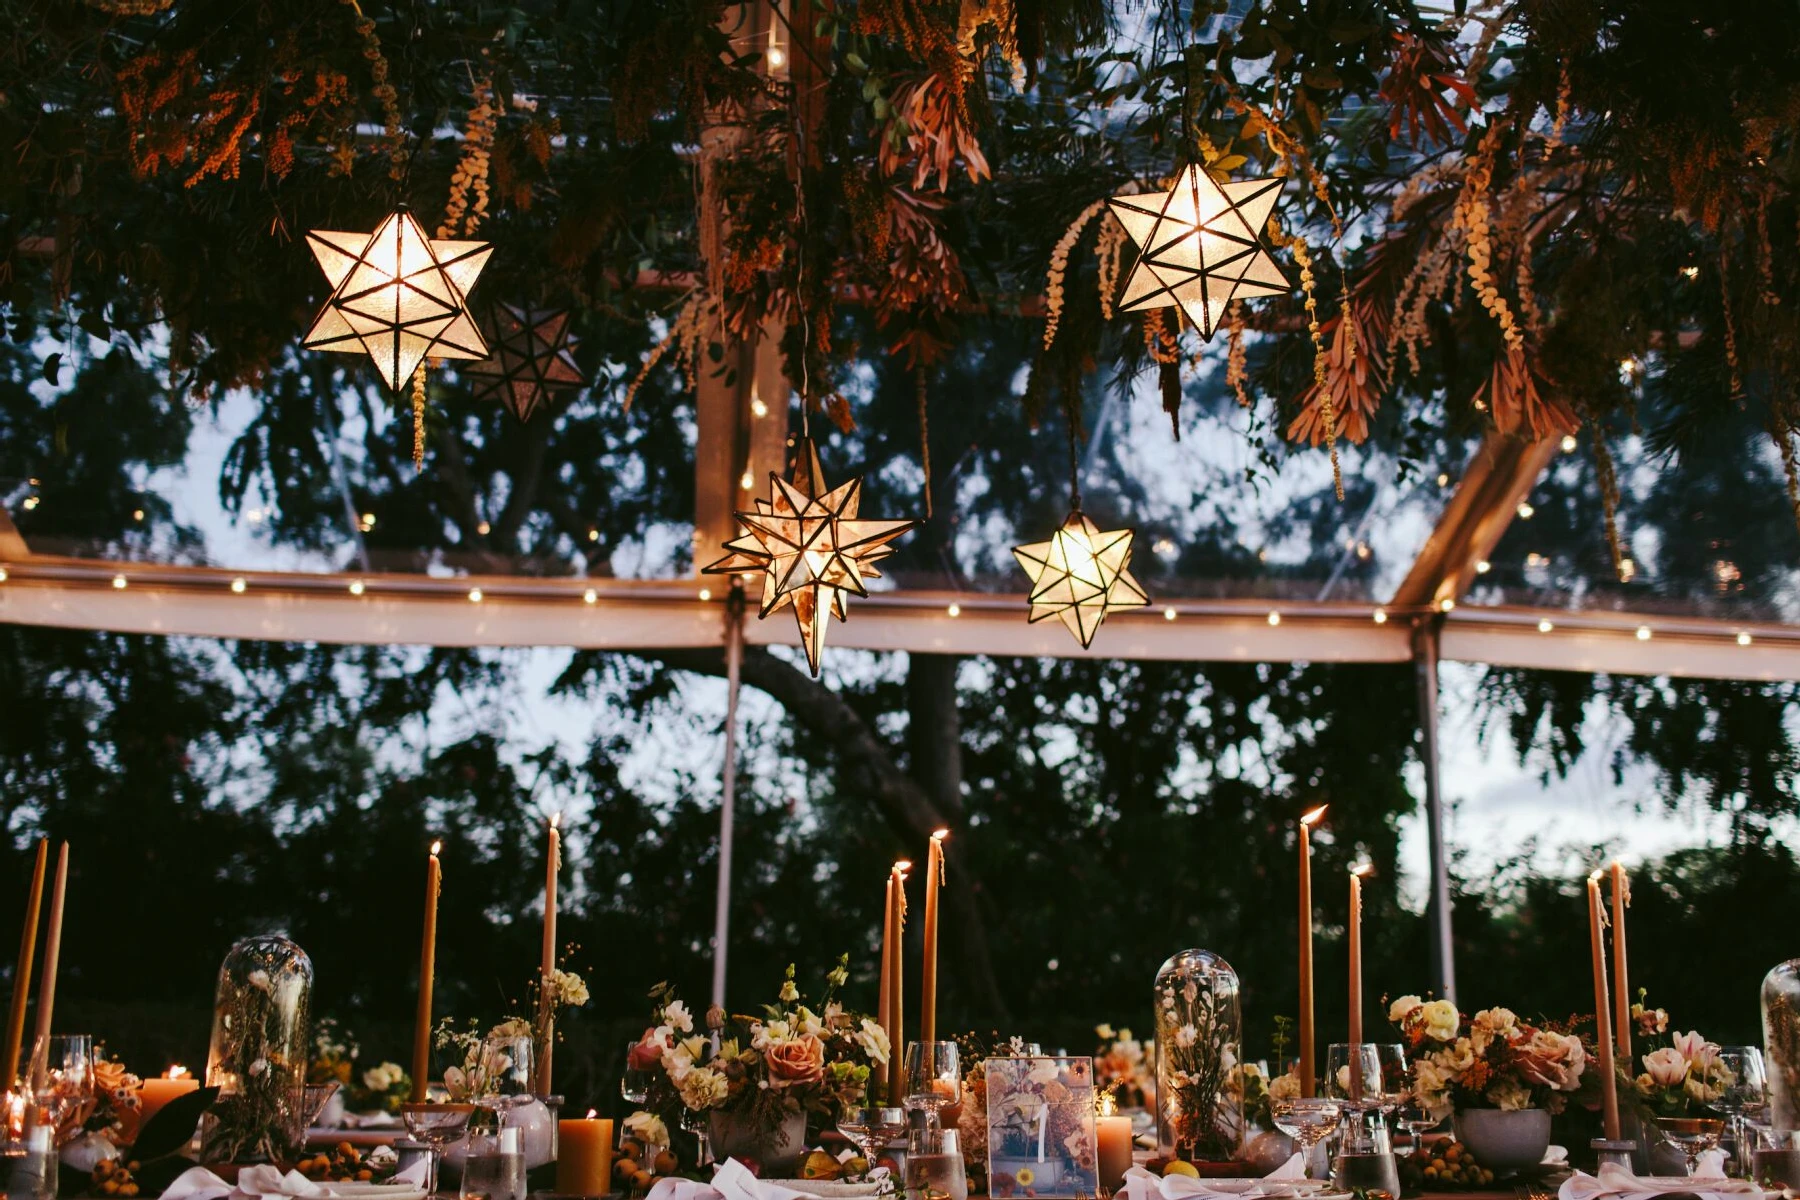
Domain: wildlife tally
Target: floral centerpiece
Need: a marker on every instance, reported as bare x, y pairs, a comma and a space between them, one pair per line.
1503, 1077
337, 1059
1126, 1067
758, 1080
1683, 1074
1500, 1062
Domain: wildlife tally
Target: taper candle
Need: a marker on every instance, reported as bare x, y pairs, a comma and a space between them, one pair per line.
885, 998
1306, 1071
1603, 1039
1621, 900
934, 879
896, 1029
1356, 973
15, 1020
40, 1046
547, 973
421, 1063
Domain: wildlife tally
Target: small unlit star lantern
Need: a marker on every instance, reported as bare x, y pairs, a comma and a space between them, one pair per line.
1080, 575
811, 549
1198, 246
534, 355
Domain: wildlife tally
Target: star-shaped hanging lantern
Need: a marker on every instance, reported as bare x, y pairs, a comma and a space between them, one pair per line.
397, 295
1081, 574
810, 548
1198, 246
534, 354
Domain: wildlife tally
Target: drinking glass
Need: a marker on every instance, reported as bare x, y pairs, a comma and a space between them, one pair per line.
1309, 1120
1777, 1157
1693, 1136
505, 1072
439, 1126
317, 1096
494, 1167
698, 1124
66, 1095
1353, 1075
932, 1078
934, 1167
1743, 1086
1396, 1077
1414, 1116
634, 1085
872, 1128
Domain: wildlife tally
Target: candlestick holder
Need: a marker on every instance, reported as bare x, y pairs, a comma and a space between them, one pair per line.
1199, 1094
1617, 1151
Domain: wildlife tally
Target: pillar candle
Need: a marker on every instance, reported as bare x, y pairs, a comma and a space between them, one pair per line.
1603, 1039
1621, 899
421, 1063
52, 952
584, 1156
1114, 1134
547, 989
15, 1021
896, 1027
934, 879
1308, 1076
154, 1093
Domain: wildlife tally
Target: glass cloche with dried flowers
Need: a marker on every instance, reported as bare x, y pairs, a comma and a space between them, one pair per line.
1198, 1044
260, 1053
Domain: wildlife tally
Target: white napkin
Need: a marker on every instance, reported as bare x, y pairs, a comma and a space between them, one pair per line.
1142, 1185
1708, 1184
732, 1180
198, 1183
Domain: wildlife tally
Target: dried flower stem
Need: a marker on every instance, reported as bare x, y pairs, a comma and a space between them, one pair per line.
1237, 357
1731, 348
1327, 411
1609, 501
1059, 266
418, 407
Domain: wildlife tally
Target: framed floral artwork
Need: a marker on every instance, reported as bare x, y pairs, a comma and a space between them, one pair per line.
1041, 1139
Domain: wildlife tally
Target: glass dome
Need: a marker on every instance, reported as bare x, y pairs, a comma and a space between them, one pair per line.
1781, 1042
1199, 1113
259, 1053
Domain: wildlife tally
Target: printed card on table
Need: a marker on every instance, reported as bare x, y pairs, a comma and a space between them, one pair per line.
1041, 1128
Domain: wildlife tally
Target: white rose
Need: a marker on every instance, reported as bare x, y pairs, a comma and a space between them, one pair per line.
647, 1128
569, 988
873, 1040
1403, 1008
1441, 1020
1284, 1087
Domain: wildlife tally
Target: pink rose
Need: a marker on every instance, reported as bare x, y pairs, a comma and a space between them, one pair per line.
646, 1054
1554, 1060
1666, 1067
798, 1060
1696, 1049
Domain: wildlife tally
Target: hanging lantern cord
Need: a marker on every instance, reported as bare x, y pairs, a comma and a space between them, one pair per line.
1074, 467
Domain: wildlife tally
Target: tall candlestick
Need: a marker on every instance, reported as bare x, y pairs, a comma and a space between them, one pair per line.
896, 1029
547, 974
884, 999
1603, 1039
421, 1064
1356, 974
1308, 1079
15, 1021
1621, 900
40, 1046
934, 879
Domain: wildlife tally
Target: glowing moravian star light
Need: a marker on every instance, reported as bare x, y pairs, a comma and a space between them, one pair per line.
1080, 575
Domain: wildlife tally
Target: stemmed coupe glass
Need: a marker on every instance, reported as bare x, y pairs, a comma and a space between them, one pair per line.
439, 1126
932, 1077
872, 1128
1309, 1120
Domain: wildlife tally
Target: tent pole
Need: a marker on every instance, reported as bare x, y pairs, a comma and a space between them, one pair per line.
734, 657
1425, 667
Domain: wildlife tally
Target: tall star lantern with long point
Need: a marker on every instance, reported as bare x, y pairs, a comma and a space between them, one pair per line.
1080, 575
810, 547
399, 297
1198, 246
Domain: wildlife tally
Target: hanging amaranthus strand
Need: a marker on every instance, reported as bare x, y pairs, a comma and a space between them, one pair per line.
389, 99
1783, 432
921, 383
1237, 355
1472, 218
1731, 348
1609, 501
1059, 266
471, 174
418, 407
1327, 411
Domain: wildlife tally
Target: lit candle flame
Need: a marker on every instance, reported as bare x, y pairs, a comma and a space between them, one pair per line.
435, 847
177, 1073
1312, 817
1595, 877
1104, 1104
940, 835
556, 818
592, 1113
1362, 868
902, 867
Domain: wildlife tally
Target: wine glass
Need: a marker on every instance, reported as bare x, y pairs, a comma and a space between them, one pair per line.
872, 1128
1309, 1120
634, 1085
1693, 1136
1396, 1077
1353, 1075
1743, 1087
65, 1065
316, 1097
932, 1078
439, 1126
1417, 1118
